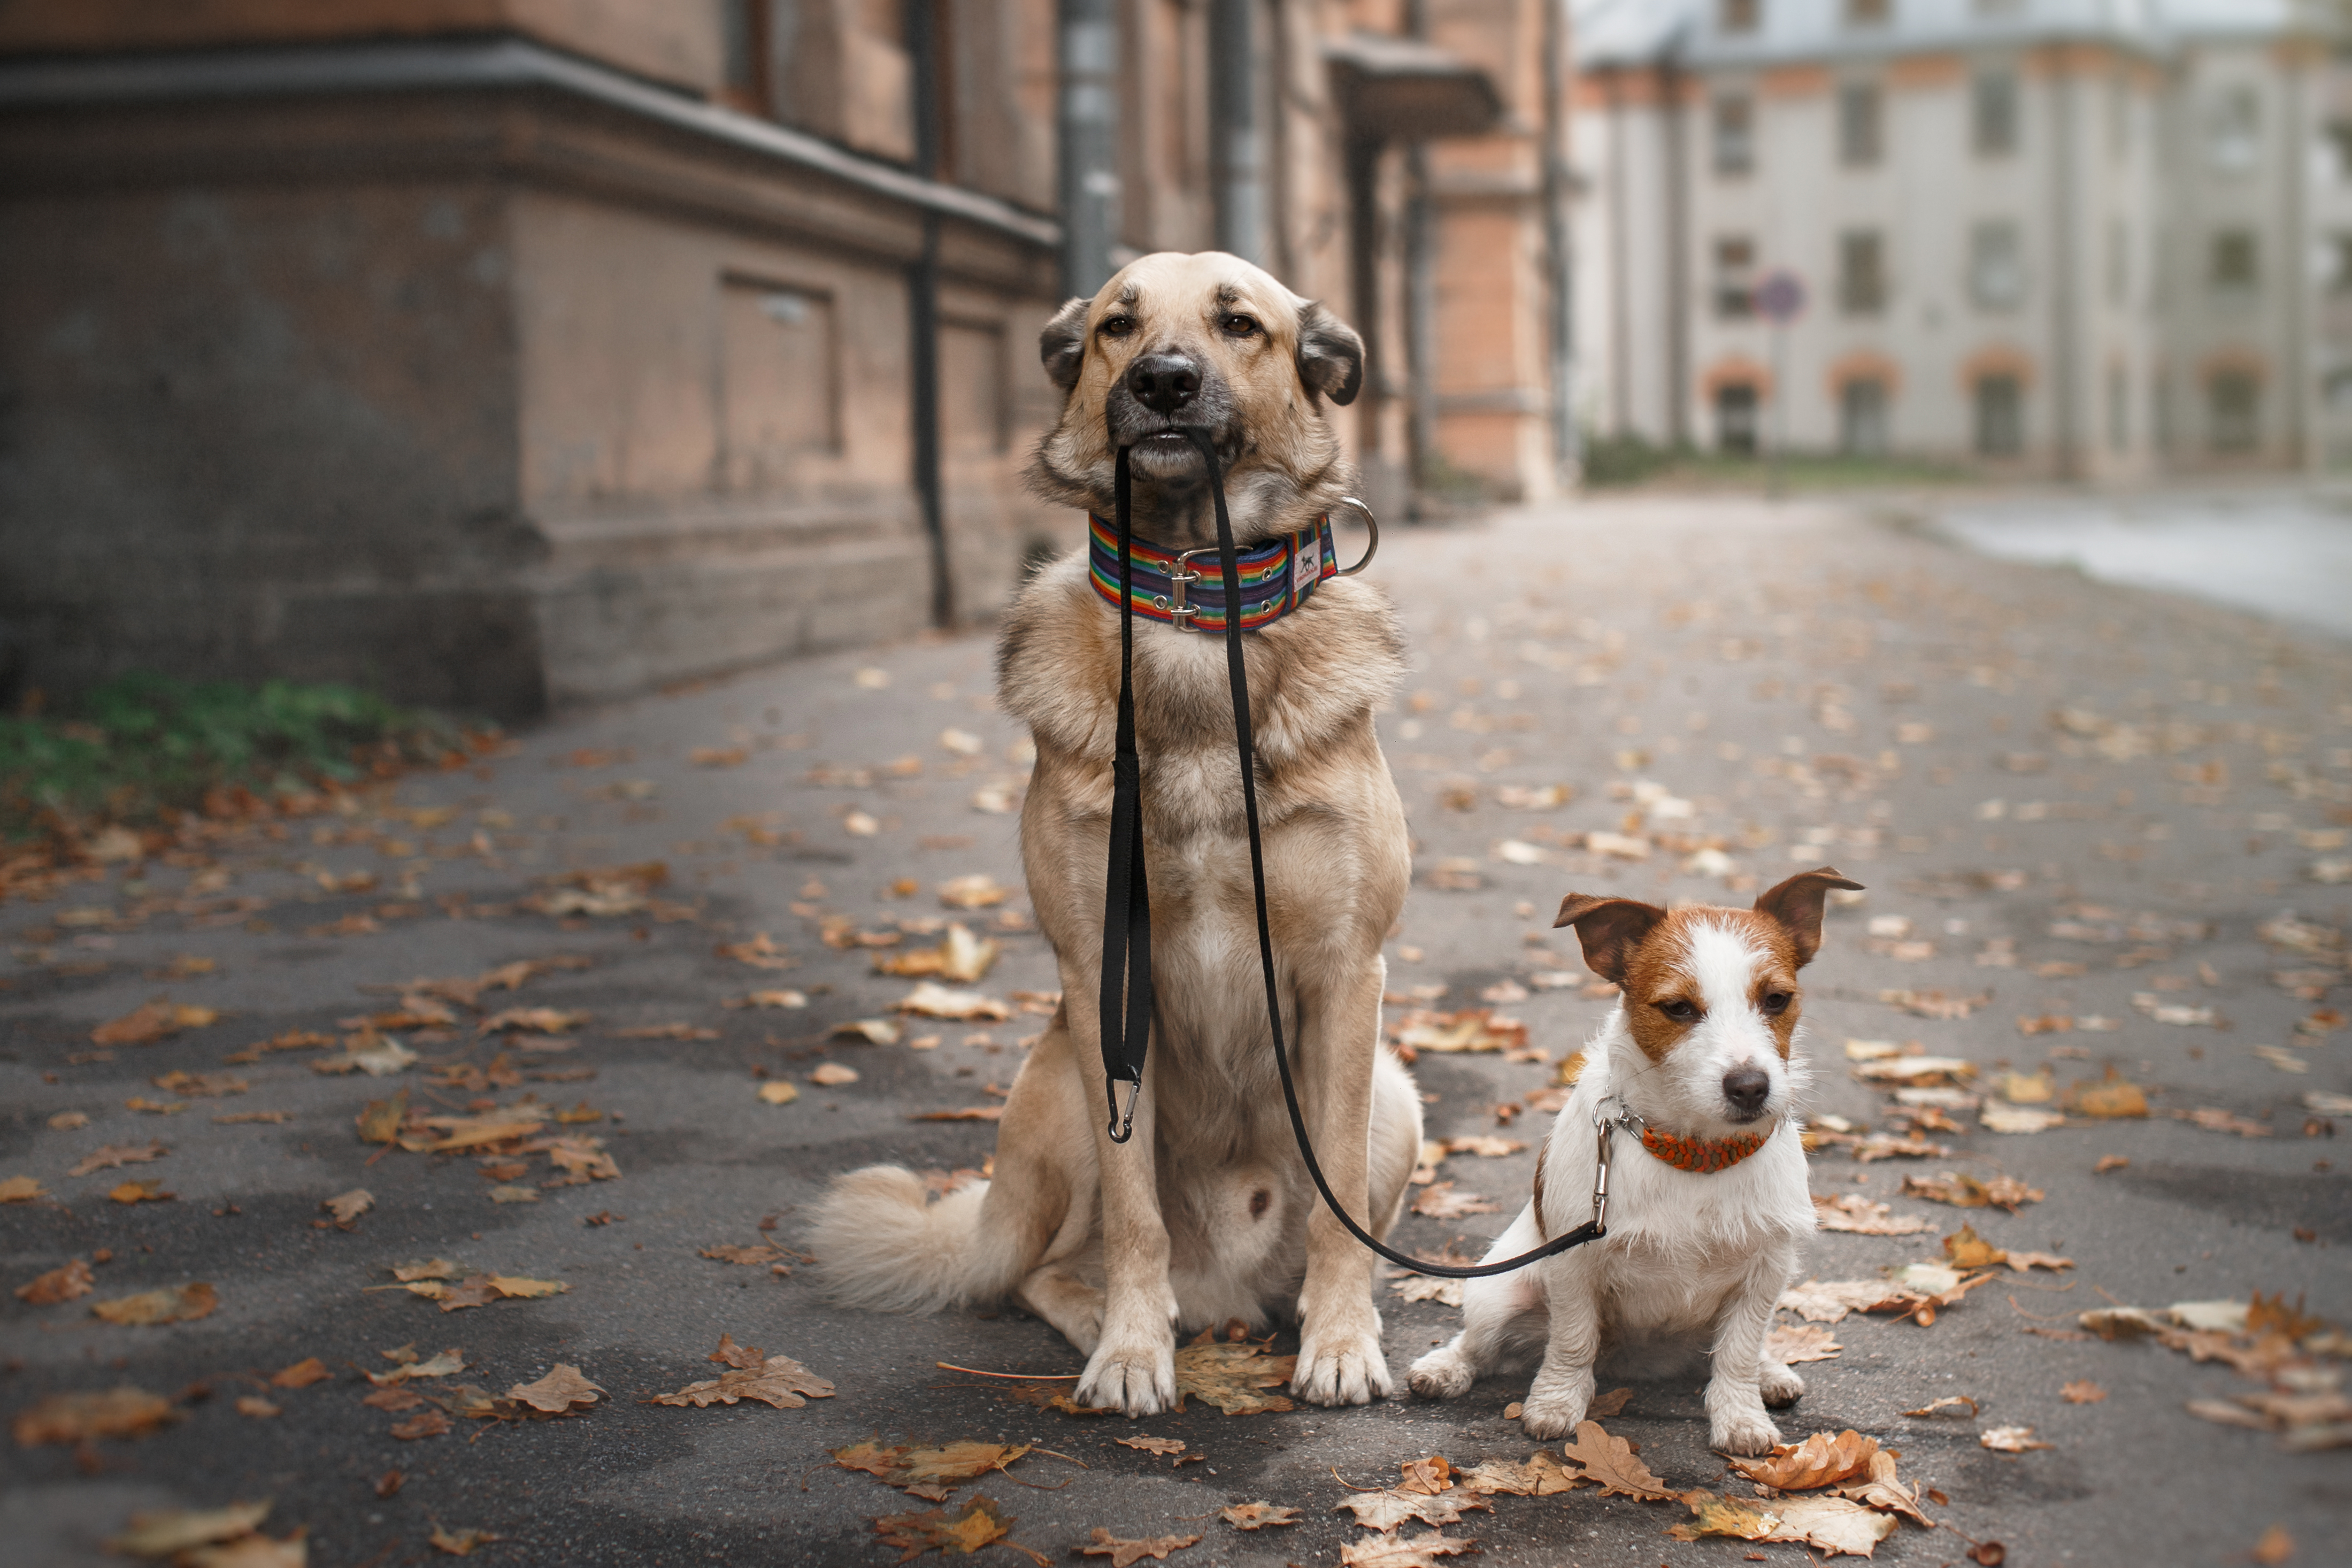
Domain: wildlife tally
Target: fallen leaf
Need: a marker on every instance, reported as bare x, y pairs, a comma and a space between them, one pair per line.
2110, 1097
1540, 1475
2110, 1162
2276, 1546
873, 1031
1609, 1463
960, 957
168, 1532
426, 1268
113, 1154
1882, 1490
1257, 1515
1964, 1248
1396, 1551
1829, 1302
1963, 1191
21, 1190
1737, 1517
2024, 1261
1853, 1212
1484, 1146
301, 1375
932, 1000
64, 1283
173, 1304
535, 1020
428, 1424
1427, 1476
1153, 1445
347, 1207
2017, 1119
141, 1192
779, 1091
1792, 1343
1386, 1510
761, 1253
1820, 1460
1124, 1552
786, 998
2082, 1391
1958, 1406
514, 1288
832, 1074
1439, 1200
460, 1543
1231, 1376
124, 1411
153, 1022
2212, 1118
966, 1114
482, 1131
2009, 1439
776, 1381
562, 1392
1917, 1070
981, 1522
976, 891
1832, 1523
260, 1409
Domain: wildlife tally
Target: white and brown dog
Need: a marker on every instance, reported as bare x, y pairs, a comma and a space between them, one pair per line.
1707, 1211
1207, 1215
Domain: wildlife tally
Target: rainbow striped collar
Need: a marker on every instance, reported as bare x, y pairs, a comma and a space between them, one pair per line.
1276, 577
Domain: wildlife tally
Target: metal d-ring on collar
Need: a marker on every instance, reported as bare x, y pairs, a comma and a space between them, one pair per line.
1603, 1125
1180, 611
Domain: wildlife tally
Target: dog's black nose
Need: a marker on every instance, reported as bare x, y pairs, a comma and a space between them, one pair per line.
1746, 1088
1164, 382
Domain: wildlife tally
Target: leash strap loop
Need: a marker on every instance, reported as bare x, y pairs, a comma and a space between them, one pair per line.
1125, 1013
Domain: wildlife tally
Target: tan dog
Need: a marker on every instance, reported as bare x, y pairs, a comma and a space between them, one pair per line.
1208, 1215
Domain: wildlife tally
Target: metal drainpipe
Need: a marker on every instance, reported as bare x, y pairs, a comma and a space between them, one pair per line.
1087, 125
923, 309
2062, 311
1419, 298
1679, 294
1234, 179
1560, 255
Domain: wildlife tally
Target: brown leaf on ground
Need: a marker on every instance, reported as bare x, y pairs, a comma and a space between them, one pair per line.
430, 1424
1964, 1248
1153, 1445
1854, 1213
301, 1375
534, 1020
201, 1085
173, 1304
2024, 1261
1792, 1343
1737, 1517
482, 1131
1958, 1406
961, 958
1820, 1460
65, 1283
1613, 1402
347, 1207
777, 1381
1257, 1515
1963, 1191
21, 1190
1427, 1477
460, 1543
1834, 1524
667, 1032
2111, 1098
2009, 1439
1609, 1463
382, 1120
1122, 1553
1231, 1376
166, 1533
980, 1523
1472, 1030
124, 1411
141, 1192
2082, 1391
761, 952
113, 1154
146, 1024
1829, 1301
1541, 1474
393, 1401
1396, 1551
2275, 1547
562, 1392
930, 1000
260, 1409
2213, 1119
1439, 1200
1386, 1510
1883, 1490
976, 891
764, 1253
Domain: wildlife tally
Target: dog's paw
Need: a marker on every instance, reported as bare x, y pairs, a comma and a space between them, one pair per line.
1341, 1369
1137, 1380
1442, 1374
1781, 1386
1551, 1416
1743, 1432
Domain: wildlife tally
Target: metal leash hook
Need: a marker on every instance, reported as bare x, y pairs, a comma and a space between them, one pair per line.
1122, 1125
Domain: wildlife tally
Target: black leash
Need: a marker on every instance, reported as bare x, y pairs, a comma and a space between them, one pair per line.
1127, 917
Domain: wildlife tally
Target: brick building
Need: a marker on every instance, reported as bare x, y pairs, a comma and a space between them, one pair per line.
502, 353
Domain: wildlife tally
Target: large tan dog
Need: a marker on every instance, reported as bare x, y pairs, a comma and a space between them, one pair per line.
1208, 1215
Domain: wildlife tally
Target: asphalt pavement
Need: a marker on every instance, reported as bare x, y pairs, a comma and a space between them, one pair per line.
2081, 811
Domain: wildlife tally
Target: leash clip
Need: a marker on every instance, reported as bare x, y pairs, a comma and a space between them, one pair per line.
1603, 1124
1122, 1128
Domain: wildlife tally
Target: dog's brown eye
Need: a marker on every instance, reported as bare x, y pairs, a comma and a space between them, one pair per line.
1238, 326
1680, 1011
1777, 1002
1117, 326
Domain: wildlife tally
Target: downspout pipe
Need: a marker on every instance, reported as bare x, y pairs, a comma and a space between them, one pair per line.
1559, 251
923, 311
1087, 127
1236, 181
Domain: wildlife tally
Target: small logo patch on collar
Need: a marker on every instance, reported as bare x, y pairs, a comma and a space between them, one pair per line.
1701, 1156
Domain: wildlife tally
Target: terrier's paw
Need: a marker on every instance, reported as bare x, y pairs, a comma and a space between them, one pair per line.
1553, 1415
1444, 1374
1341, 1369
1137, 1379
1744, 1432
1781, 1386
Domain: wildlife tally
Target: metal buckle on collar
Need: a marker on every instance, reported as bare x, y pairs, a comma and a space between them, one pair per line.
1179, 613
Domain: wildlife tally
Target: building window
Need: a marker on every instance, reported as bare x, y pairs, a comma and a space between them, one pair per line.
1735, 418
1734, 277
1860, 132
1996, 266
1862, 272
2234, 130
1993, 113
1862, 417
2236, 270
2000, 416
1735, 134
1869, 13
1740, 15
2233, 421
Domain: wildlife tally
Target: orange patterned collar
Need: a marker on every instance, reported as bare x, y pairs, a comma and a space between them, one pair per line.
1701, 1156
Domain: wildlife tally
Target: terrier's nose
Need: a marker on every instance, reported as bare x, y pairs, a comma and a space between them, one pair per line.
1746, 1088
1164, 382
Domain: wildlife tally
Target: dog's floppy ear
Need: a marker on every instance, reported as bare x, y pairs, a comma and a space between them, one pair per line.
1796, 904
1330, 354
1063, 345
1610, 929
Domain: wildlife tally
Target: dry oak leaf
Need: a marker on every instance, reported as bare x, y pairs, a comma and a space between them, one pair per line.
1124, 1552
776, 1381
1153, 1445
1428, 1476
981, 1522
21, 1190
124, 1411
563, 1391
1541, 1474
1613, 1402
1609, 1463
1737, 1517
301, 1375
430, 1424
146, 1024
1854, 1213
2009, 1439
1385, 1510
141, 1192
2110, 1097
1257, 1515
1964, 1248
113, 1154
1838, 1527
961, 958
1829, 1301
2082, 1391
449, 1363
168, 1532
173, 1304
1439, 1200
460, 1543
1396, 1551
1229, 1376
64, 1283
1883, 1490
347, 1207
930, 1000
1963, 1191
1793, 1342
1820, 1460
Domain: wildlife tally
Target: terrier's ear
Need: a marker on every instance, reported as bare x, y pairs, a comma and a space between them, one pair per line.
1063, 345
1610, 929
1330, 354
1796, 904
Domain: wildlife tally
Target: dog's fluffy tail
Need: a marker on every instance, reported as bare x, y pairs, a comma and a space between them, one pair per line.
883, 1245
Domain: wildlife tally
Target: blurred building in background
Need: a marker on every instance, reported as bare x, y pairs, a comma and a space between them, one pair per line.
2086, 238
506, 353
